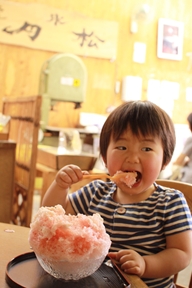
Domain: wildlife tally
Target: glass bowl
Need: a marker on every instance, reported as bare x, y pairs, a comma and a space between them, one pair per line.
68, 247
70, 270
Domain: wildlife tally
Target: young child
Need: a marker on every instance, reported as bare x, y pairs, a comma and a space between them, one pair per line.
150, 226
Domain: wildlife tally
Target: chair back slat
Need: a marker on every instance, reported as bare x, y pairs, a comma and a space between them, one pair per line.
23, 129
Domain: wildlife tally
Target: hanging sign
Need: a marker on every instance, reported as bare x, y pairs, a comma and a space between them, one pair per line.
43, 27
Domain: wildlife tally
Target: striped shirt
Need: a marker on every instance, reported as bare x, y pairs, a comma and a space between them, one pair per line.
141, 226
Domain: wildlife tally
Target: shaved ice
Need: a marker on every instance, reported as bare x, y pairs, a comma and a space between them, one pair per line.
68, 246
129, 178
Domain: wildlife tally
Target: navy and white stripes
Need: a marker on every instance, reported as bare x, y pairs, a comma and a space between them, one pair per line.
140, 226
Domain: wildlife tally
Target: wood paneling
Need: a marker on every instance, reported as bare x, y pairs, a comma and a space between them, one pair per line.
7, 167
20, 67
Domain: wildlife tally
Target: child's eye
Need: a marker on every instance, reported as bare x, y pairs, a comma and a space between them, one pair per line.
146, 149
121, 148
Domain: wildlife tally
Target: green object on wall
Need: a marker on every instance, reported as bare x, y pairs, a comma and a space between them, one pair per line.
63, 78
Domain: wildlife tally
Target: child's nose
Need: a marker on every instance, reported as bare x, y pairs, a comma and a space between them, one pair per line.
132, 157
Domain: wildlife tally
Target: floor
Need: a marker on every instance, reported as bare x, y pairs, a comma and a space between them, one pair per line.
184, 275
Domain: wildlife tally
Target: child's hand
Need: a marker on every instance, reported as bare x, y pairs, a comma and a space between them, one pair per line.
69, 175
130, 261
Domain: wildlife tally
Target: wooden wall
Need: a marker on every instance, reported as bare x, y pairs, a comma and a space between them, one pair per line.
20, 67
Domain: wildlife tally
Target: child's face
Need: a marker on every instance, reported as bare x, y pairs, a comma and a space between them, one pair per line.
130, 153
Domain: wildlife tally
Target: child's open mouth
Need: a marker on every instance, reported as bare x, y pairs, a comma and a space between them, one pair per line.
130, 178
138, 177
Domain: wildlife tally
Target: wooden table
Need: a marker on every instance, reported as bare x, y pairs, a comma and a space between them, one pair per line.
12, 244
56, 158
50, 160
48, 175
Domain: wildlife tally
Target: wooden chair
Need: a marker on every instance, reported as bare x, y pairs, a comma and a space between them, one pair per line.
186, 189
24, 128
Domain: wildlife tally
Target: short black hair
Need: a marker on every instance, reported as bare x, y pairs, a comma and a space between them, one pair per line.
189, 119
143, 118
